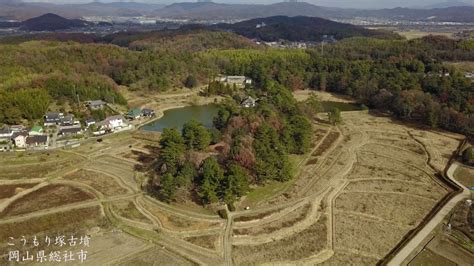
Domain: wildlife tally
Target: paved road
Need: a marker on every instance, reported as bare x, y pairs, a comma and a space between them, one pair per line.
437, 219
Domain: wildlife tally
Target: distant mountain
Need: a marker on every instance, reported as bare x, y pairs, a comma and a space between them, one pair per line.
447, 4
298, 29
52, 22
22, 10
452, 14
216, 11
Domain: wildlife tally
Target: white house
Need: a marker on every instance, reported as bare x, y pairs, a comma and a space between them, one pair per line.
114, 122
234, 80
20, 139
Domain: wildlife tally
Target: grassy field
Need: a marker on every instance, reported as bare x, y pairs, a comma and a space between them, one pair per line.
288, 220
62, 222
297, 246
465, 176
127, 209
45, 198
7, 191
466, 66
105, 184
207, 241
429, 258
415, 34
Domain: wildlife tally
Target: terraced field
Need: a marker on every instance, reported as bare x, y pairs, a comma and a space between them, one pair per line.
363, 186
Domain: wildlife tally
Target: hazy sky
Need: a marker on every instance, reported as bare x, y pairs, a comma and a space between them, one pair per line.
334, 3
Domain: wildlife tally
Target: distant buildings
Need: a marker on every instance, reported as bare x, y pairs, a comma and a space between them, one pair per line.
39, 141
137, 113
112, 123
53, 118
5, 134
36, 131
89, 122
239, 81
95, 104
148, 113
19, 139
249, 102
134, 114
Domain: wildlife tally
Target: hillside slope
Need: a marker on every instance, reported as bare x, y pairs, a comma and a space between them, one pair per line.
298, 29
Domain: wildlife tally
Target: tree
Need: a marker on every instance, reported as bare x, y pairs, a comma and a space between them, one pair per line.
167, 187
191, 82
172, 150
235, 184
195, 135
335, 116
468, 156
272, 161
300, 132
211, 178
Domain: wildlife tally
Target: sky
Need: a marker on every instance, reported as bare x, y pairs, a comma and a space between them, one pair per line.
332, 3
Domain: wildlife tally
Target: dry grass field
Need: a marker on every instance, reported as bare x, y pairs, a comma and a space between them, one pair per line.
155, 256
175, 222
360, 189
7, 191
207, 241
68, 221
373, 178
298, 246
465, 175
129, 210
45, 198
105, 184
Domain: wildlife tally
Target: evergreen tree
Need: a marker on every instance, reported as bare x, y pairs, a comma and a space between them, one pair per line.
211, 178
191, 82
335, 116
196, 136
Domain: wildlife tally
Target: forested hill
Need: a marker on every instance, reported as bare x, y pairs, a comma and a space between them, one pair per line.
299, 28
52, 22
406, 78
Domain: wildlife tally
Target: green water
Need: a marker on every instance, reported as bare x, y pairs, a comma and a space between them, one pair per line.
176, 118
343, 107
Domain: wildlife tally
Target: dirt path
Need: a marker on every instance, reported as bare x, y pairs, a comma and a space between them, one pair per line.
401, 256
227, 244
68, 207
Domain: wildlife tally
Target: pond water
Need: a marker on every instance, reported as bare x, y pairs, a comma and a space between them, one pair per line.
176, 118
328, 106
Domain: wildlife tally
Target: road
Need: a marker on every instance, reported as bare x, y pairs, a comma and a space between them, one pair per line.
416, 241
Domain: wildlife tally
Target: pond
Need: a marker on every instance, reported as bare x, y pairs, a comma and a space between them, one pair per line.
343, 107
176, 118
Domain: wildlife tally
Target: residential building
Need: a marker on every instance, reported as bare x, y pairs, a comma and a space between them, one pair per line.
37, 141
249, 102
95, 104
148, 113
53, 118
113, 122
36, 131
19, 138
68, 120
89, 122
5, 134
70, 131
17, 128
135, 113
234, 80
